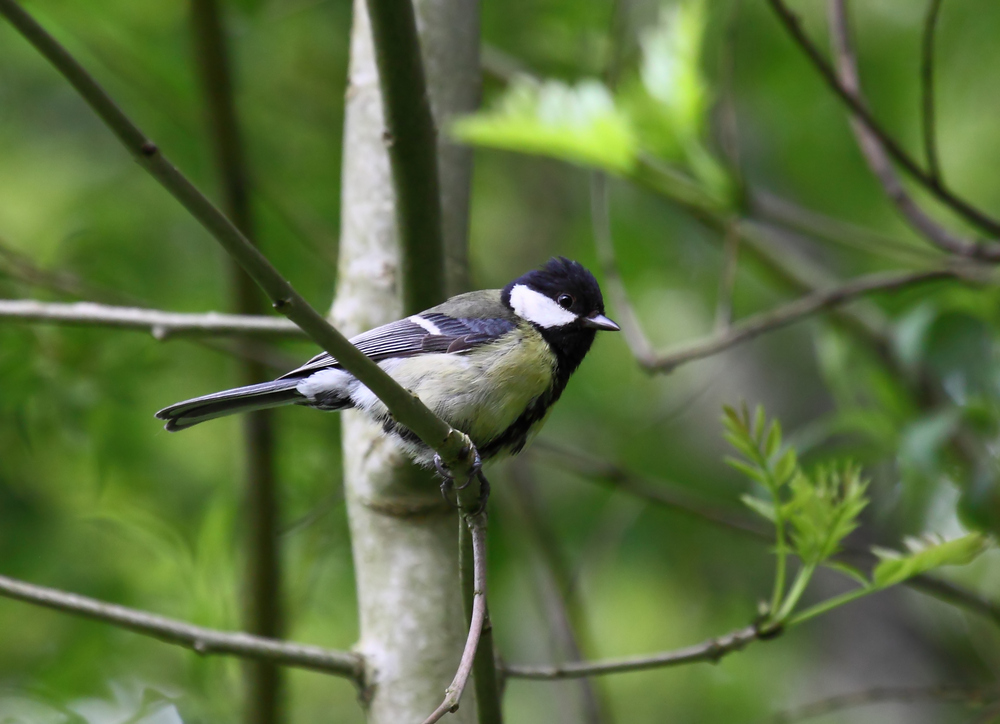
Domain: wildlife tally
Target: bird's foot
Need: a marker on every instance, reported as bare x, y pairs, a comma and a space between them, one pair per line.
448, 482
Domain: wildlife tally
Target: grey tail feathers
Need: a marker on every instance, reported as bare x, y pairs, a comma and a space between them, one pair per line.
228, 402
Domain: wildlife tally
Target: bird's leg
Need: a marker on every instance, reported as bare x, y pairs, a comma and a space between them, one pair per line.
448, 480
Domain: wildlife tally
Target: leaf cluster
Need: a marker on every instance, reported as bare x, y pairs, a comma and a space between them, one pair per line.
814, 512
659, 111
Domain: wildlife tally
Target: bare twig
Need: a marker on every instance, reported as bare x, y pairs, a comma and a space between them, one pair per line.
678, 498
484, 668
876, 153
927, 89
454, 447
162, 325
793, 24
903, 694
659, 492
477, 525
711, 650
792, 312
201, 640
263, 585
825, 228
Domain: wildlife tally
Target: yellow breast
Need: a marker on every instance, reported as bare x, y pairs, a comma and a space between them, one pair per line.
481, 393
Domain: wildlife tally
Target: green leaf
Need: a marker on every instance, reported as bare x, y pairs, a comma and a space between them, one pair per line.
786, 467
824, 510
671, 67
743, 444
750, 470
849, 571
579, 124
761, 507
773, 441
926, 555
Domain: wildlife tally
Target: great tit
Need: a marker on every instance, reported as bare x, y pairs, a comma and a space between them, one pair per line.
490, 363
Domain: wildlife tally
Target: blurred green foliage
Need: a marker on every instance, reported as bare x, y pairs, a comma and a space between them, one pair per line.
96, 498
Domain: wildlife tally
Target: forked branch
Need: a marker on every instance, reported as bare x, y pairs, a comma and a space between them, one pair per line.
453, 446
793, 25
875, 152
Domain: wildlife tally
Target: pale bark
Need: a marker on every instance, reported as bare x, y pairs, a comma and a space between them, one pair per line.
404, 537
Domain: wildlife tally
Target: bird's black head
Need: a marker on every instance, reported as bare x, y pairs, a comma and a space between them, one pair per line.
564, 301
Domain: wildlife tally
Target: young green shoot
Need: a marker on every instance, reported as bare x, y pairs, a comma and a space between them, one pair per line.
813, 513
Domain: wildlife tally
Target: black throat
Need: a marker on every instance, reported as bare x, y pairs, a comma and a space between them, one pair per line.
570, 345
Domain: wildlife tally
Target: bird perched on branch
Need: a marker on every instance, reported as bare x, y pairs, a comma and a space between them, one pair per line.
490, 363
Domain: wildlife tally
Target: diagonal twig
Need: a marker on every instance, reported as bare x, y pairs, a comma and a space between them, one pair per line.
876, 153
197, 638
453, 695
453, 446
793, 25
678, 498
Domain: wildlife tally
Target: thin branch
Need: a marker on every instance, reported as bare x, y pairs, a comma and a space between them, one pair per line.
682, 500
956, 595
477, 526
24, 269
454, 447
484, 670
902, 694
792, 312
793, 25
711, 650
162, 325
411, 138
875, 152
843, 233
660, 492
201, 640
927, 90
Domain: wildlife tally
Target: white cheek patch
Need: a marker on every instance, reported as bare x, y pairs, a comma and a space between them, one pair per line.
538, 308
325, 382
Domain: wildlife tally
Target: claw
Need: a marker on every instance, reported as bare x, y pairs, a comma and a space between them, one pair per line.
448, 481
441, 468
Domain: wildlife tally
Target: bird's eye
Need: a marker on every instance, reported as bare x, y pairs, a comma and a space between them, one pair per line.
565, 301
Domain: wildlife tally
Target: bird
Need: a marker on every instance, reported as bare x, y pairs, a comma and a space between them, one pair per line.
490, 363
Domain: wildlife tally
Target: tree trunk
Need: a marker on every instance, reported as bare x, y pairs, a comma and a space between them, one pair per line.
404, 536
